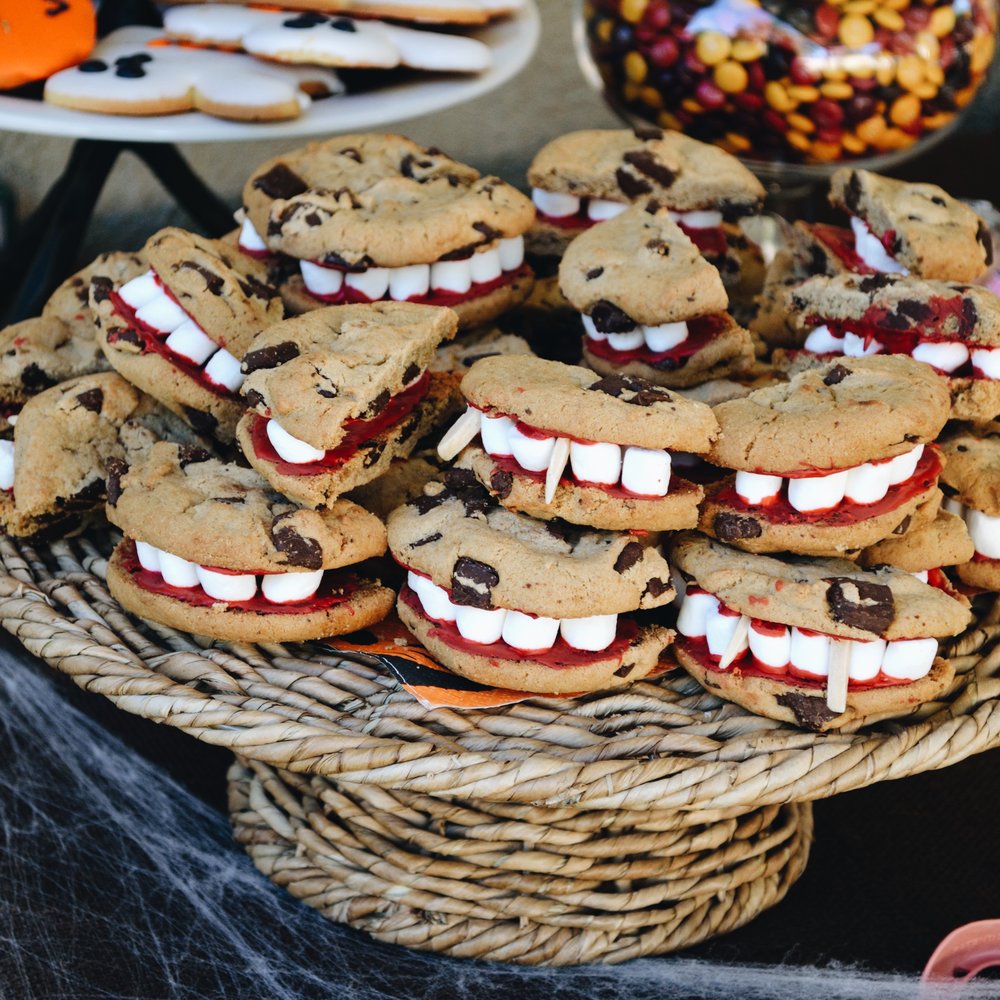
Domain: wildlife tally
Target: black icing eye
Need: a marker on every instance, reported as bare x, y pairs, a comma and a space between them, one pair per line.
92, 66
304, 21
342, 24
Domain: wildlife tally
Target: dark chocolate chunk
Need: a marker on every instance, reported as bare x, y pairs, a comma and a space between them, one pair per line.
916, 311
632, 186
594, 272
191, 454
628, 557
464, 487
904, 526
412, 371
730, 527
985, 240
116, 468
375, 449
571, 534
91, 400
970, 316
852, 193
647, 132
836, 375
351, 153
254, 398
810, 713
489, 234
101, 288
408, 429
426, 503
409, 161
270, 357
873, 282
426, 541
655, 587
661, 247
201, 421
34, 379
377, 405
472, 583
230, 500
254, 289
861, 604
502, 483
608, 318
127, 336
86, 497
631, 389
646, 163
213, 282
301, 551
624, 670
280, 182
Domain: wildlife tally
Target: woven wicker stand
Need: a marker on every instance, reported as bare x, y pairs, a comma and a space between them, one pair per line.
553, 830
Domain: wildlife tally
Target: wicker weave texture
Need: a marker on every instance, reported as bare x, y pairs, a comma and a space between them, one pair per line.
513, 883
664, 744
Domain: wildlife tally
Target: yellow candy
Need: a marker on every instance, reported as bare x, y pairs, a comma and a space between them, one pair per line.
801, 123
712, 47
803, 93
853, 144
942, 21
825, 152
778, 97
730, 77
862, 7
837, 91
856, 31
691, 105
905, 110
871, 129
651, 97
739, 143
635, 67
632, 10
798, 140
909, 72
890, 19
927, 46
666, 119
749, 49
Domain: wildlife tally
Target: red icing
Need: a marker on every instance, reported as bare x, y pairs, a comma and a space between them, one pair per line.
508, 464
781, 511
434, 297
980, 558
580, 220
701, 331
356, 432
335, 588
841, 242
560, 657
746, 666
154, 342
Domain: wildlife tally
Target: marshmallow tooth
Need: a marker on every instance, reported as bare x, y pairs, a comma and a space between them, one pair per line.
903, 466
177, 572
599, 462
250, 239
909, 659
511, 253
480, 624
190, 342
227, 586
223, 369
162, 314
462, 431
495, 433
409, 282
434, 599
771, 645
646, 471
290, 448
665, 336
756, 488
984, 531
591, 634
859, 347
822, 341
866, 658
868, 483
287, 588
725, 634
630, 341
555, 204
137, 292
373, 282
945, 356
451, 276
148, 555
869, 248
321, 280
810, 653
531, 453
809, 494
485, 266
6, 465
704, 218
986, 361
590, 329
529, 634
600, 209
698, 607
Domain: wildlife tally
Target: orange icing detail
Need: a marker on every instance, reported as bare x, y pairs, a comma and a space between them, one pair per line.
41, 37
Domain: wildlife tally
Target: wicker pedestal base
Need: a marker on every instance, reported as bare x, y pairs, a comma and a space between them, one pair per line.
515, 883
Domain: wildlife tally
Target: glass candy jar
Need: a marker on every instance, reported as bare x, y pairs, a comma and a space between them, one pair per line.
797, 85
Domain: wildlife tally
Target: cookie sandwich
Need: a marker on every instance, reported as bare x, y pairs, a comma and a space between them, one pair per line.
210, 548
337, 393
926, 552
817, 643
531, 605
971, 481
555, 440
377, 217
52, 474
587, 177
831, 461
651, 305
179, 330
952, 327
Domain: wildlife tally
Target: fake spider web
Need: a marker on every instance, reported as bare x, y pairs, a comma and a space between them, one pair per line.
118, 882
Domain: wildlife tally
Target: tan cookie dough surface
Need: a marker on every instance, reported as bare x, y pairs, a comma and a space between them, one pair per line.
943, 542
935, 235
972, 470
460, 537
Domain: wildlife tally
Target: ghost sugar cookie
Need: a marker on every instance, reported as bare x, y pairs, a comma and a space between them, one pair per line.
210, 548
